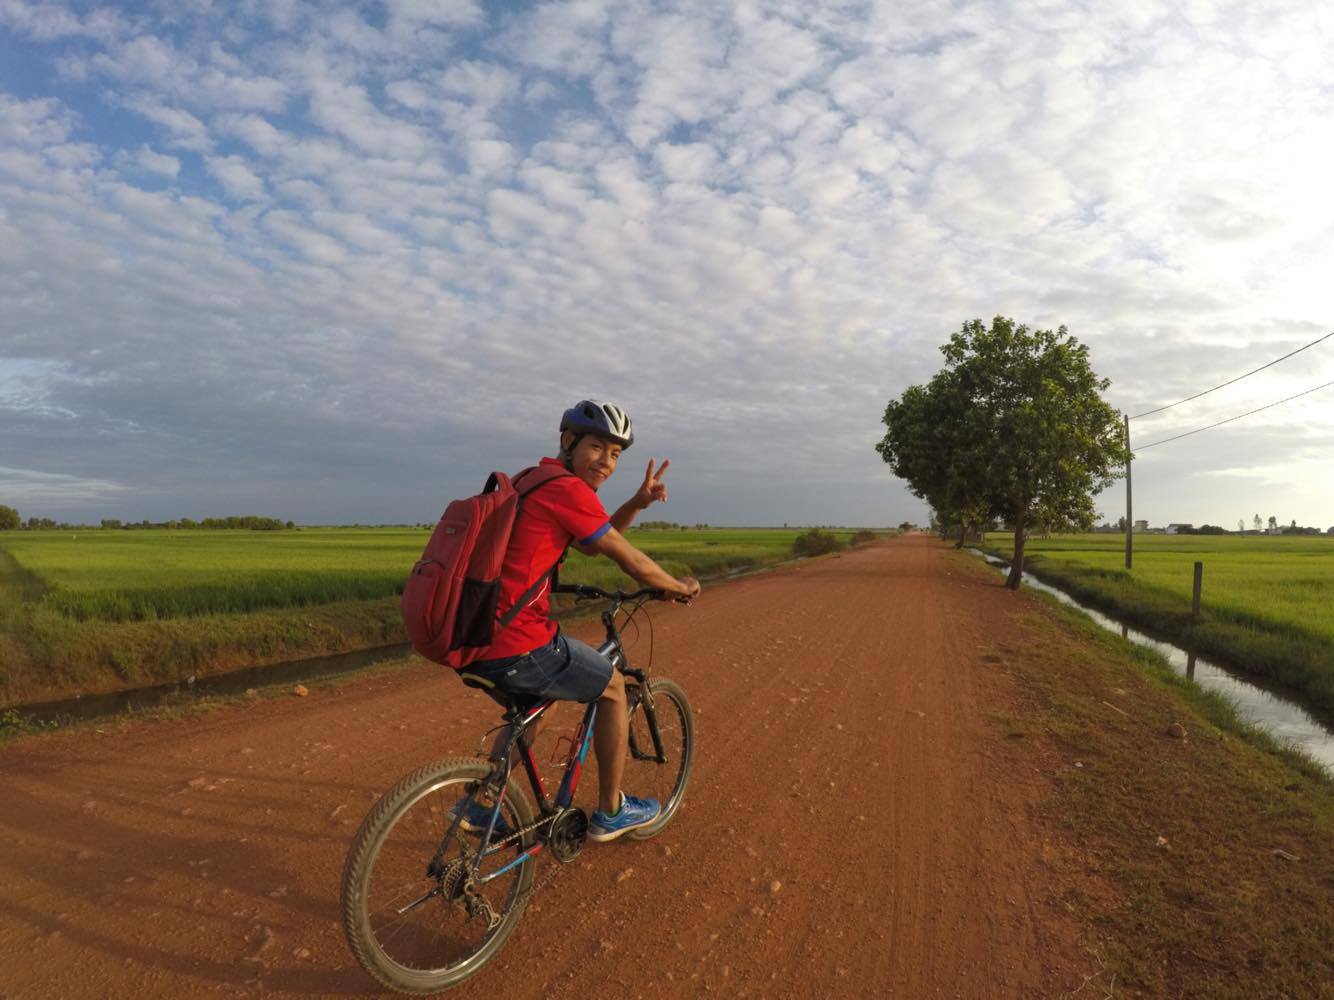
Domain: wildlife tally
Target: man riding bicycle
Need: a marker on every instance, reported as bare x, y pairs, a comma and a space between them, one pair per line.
531, 656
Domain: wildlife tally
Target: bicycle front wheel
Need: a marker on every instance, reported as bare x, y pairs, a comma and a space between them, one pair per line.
663, 712
413, 918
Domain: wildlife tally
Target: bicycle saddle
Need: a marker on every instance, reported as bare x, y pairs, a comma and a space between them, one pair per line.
508, 700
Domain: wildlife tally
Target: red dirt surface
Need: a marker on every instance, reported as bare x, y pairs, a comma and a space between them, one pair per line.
856, 823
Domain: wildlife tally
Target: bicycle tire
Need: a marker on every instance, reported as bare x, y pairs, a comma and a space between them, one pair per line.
386, 869
666, 781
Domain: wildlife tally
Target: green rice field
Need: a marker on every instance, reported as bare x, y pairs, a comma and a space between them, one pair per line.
1267, 601
146, 575
1284, 580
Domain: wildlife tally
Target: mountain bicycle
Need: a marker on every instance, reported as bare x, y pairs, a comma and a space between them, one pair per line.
442, 867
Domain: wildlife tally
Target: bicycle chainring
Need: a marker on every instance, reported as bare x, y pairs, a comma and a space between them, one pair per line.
566, 838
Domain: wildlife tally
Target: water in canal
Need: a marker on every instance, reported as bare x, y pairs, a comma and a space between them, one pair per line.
1283, 719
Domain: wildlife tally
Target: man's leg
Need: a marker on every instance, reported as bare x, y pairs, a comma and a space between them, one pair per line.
611, 737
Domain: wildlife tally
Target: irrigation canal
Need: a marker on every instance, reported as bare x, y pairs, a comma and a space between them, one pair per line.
95, 706
1283, 719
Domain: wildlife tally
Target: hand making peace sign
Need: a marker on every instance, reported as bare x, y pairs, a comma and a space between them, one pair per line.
652, 488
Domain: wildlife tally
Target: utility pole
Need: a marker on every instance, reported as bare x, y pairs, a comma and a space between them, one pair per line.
1130, 517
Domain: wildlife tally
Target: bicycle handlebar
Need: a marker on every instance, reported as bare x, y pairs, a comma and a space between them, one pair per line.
619, 596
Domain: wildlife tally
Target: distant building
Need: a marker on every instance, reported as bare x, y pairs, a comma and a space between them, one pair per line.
1141, 525
1176, 529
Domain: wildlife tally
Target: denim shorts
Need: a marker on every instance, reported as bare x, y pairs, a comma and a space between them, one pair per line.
565, 669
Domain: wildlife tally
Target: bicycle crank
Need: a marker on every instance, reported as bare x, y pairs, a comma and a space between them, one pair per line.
566, 838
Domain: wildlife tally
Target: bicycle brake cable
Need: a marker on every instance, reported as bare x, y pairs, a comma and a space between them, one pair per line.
648, 618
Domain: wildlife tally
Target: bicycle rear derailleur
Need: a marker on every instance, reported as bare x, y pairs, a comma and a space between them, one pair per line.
457, 886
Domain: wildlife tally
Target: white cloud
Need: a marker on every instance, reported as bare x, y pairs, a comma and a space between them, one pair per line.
490, 156
693, 161
237, 179
33, 124
150, 161
348, 111
184, 130
451, 13
44, 22
480, 84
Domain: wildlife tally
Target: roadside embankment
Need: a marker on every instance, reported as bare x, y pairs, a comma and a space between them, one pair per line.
47, 656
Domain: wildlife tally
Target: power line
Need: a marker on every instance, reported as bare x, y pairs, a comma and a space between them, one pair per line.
1230, 382
1238, 416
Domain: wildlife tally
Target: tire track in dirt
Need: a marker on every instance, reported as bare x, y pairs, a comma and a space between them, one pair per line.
846, 751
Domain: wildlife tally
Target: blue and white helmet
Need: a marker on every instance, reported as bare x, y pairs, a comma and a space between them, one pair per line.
606, 420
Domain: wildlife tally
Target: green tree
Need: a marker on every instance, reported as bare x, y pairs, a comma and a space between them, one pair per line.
927, 445
1014, 426
9, 518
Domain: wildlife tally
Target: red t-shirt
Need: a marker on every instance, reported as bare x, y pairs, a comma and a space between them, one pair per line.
553, 515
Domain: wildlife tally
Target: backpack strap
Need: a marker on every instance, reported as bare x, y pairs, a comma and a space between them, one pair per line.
538, 475
543, 475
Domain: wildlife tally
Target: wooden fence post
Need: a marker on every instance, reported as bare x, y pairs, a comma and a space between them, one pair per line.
1195, 597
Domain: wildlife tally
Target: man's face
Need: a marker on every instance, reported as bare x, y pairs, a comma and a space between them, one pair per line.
594, 459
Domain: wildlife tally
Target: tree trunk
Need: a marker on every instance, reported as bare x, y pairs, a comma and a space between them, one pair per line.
963, 531
1017, 564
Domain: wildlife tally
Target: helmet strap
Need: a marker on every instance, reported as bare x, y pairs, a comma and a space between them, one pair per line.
567, 454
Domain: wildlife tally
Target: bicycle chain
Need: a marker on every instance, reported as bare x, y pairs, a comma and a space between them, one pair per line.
468, 853
555, 870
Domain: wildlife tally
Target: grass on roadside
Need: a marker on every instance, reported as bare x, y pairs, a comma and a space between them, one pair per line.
1201, 866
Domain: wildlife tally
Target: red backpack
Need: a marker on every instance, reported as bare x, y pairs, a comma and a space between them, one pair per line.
449, 601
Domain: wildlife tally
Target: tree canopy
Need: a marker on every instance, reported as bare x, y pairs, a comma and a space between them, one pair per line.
9, 518
1014, 426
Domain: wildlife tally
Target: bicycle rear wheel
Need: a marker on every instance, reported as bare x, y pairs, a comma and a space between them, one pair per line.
411, 918
664, 780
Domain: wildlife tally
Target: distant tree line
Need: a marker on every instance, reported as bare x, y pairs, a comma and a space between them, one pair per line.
248, 522
11, 521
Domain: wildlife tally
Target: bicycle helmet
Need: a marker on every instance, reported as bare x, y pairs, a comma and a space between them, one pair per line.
606, 420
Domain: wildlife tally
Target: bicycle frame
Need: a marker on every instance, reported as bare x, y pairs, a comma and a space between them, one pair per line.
520, 720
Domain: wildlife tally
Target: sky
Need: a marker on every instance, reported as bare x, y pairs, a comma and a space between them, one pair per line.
336, 262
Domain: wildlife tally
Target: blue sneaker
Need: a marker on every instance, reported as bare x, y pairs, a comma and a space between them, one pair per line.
634, 813
476, 817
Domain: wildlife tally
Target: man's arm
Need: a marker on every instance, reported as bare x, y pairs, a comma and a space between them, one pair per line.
639, 566
625, 515
651, 490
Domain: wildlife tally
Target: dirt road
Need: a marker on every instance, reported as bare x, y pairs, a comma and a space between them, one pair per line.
856, 825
